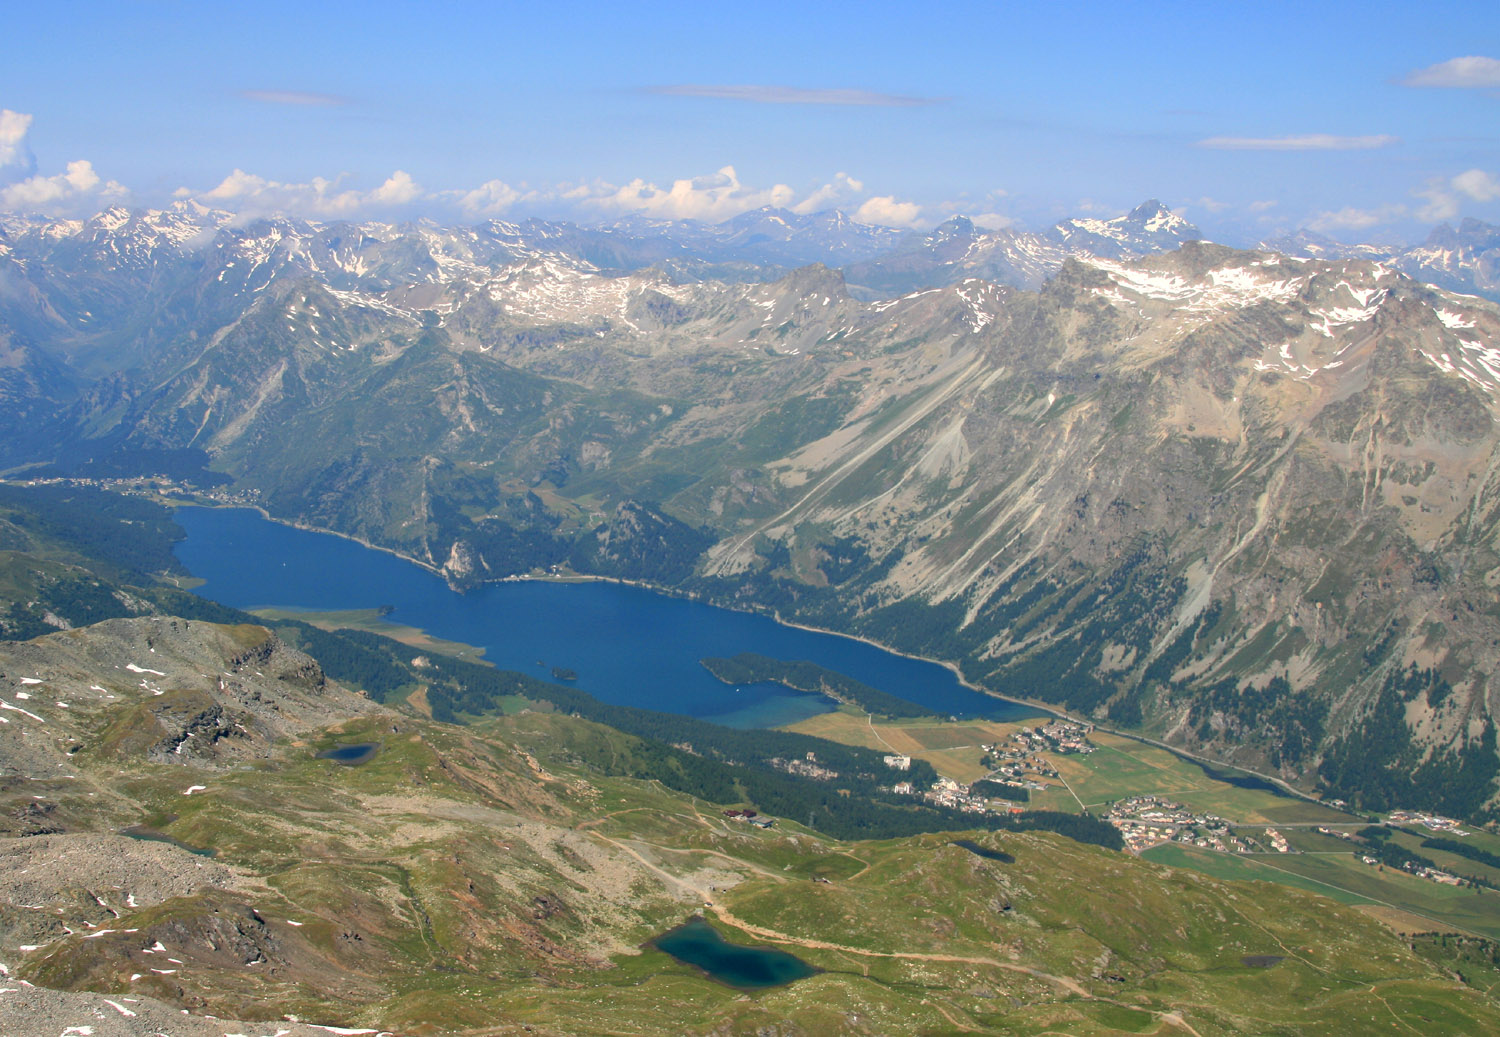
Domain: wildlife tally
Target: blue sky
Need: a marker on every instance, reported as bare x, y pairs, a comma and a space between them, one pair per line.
1365, 121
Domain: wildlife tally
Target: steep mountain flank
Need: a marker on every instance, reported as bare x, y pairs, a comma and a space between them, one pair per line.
1221, 493
1243, 501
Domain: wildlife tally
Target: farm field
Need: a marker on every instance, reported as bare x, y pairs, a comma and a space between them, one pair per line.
1245, 868
1347, 879
951, 748
1123, 767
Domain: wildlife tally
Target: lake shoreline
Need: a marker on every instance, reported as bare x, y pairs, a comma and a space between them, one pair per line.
630, 642
576, 577
953, 669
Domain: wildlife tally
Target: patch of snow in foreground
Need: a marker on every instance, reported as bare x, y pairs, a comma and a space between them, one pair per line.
18, 709
195, 788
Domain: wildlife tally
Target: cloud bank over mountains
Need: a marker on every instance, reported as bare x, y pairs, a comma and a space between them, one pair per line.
22, 189
80, 190
1434, 195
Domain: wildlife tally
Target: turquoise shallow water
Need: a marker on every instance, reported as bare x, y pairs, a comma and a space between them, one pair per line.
627, 645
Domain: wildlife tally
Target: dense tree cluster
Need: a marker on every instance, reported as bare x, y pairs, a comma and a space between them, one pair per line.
803, 675
1377, 766
130, 536
728, 765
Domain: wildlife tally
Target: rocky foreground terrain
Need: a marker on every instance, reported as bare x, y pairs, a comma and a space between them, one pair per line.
506, 877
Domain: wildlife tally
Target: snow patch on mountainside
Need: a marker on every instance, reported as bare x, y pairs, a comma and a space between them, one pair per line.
1198, 299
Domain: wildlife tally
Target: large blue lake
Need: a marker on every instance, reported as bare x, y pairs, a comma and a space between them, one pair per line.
627, 645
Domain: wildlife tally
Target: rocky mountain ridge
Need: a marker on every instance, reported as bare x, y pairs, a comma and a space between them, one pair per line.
1242, 500
1462, 259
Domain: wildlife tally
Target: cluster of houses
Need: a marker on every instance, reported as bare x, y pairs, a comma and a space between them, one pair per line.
1147, 821
1421, 871
1067, 736
750, 817
946, 792
1435, 822
808, 767
156, 484
1019, 757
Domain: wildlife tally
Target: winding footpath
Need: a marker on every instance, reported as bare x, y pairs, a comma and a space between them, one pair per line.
1064, 984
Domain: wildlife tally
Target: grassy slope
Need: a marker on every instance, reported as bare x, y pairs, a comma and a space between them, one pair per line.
1124, 767
488, 877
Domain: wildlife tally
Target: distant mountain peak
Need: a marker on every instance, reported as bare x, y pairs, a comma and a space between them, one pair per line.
1153, 217
955, 225
1149, 227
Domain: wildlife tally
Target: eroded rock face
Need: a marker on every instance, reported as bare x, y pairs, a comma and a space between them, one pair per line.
168, 690
26, 1010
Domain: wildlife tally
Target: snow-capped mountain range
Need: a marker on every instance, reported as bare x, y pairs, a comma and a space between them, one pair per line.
1108, 465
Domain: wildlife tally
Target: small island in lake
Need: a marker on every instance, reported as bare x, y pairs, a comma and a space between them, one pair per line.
801, 675
562, 673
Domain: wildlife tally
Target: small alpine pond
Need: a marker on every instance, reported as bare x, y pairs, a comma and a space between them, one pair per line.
695, 942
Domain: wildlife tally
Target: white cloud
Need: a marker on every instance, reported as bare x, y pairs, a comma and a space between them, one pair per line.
1304, 142
318, 198
13, 127
77, 189
711, 198
1265, 205
305, 98
790, 95
490, 198
1206, 203
885, 211
842, 191
992, 220
1458, 72
1445, 197
1442, 204
1351, 218
399, 189
1478, 185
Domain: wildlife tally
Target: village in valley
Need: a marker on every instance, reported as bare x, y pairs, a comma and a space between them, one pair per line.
1014, 768
1172, 810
